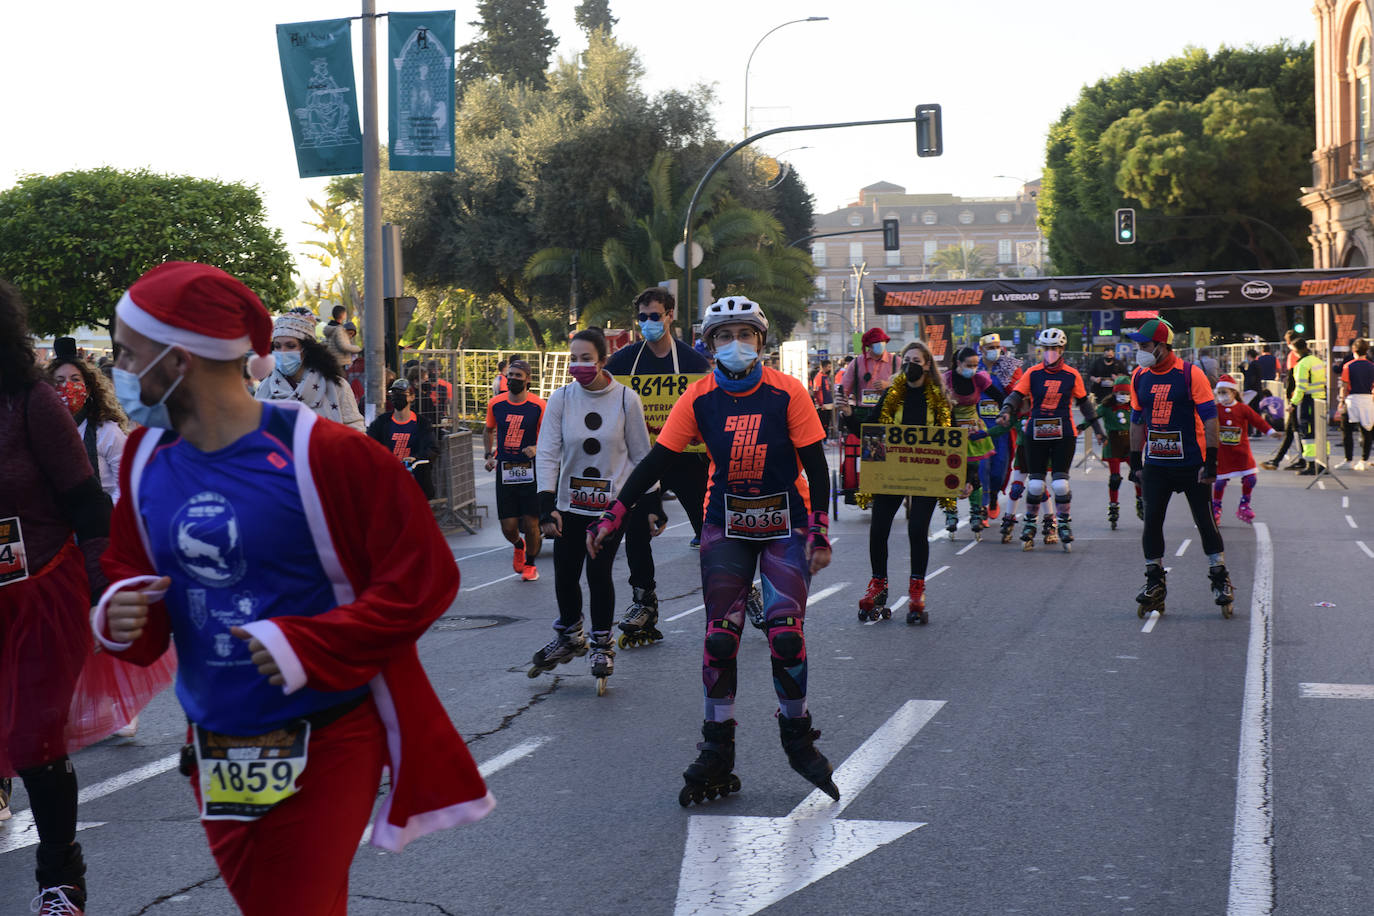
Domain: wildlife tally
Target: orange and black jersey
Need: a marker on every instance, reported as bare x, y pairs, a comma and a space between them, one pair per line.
1173, 405
1051, 392
516, 425
752, 439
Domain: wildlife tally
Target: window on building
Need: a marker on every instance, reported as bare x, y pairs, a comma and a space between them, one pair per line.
818, 253
894, 258
819, 280
930, 217
931, 246
856, 219
819, 317
856, 253
1361, 101
1003, 216
965, 216
894, 324
1005, 251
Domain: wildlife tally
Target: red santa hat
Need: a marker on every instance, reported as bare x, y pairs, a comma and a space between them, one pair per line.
201, 309
1227, 381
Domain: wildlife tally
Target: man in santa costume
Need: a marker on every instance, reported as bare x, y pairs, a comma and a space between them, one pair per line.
1235, 419
294, 598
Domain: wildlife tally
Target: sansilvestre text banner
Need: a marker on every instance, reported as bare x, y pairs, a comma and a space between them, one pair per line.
321, 96
1126, 292
420, 109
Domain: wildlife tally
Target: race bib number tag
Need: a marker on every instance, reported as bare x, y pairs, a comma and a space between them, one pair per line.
972, 424
989, 409
14, 564
871, 397
912, 460
1230, 435
513, 472
1164, 444
241, 779
1048, 428
590, 495
757, 518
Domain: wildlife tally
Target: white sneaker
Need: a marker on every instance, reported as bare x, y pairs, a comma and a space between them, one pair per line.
128, 731
1343, 464
1360, 465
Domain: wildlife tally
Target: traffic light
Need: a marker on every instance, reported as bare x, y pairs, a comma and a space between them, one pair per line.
891, 240
1125, 226
930, 135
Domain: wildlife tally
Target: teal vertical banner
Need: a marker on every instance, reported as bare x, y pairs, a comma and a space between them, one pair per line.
321, 96
420, 94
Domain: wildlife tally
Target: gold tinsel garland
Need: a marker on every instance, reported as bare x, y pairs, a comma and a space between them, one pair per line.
891, 410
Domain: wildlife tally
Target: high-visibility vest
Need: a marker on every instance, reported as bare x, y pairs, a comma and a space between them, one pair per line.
1310, 378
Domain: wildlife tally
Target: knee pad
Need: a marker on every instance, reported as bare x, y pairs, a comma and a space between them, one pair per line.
1036, 488
1114, 482
785, 639
722, 643
1017, 489
1060, 485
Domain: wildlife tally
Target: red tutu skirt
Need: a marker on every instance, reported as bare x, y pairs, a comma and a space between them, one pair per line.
55, 695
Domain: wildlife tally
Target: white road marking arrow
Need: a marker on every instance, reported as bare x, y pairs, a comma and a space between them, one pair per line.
739, 865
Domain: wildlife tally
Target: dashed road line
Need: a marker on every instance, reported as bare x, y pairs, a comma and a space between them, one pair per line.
1336, 691
936, 573
1150, 622
963, 550
473, 588
1365, 547
1182, 547
810, 600
1350, 520
1345, 502
1321, 485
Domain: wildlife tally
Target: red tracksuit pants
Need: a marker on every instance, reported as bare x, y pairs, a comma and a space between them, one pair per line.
295, 859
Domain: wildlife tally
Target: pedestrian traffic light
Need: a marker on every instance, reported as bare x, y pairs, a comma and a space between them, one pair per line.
891, 241
1125, 226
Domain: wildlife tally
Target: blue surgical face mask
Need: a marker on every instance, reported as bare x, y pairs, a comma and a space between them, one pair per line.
128, 387
879, 348
991, 355
652, 330
736, 356
288, 362
966, 372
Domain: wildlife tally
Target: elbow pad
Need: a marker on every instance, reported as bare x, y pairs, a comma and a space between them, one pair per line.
87, 508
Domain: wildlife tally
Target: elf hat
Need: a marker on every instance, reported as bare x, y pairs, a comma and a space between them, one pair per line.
1122, 383
201, 309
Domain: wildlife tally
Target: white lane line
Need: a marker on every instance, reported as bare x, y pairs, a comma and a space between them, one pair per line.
488, 769
1336, 691
1182, 547
818, 596
692, 610
21, 832
1350, 520
1321, 485
473, 588
894, 607
1365, 547
936, 573
1150, 622
482, 553
963, 550
1345, 502
944, 533
1252, 843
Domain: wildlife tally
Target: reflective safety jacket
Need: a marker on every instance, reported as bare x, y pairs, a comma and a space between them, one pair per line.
1309, 378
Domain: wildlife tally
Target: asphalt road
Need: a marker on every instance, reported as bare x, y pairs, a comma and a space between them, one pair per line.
1057, 758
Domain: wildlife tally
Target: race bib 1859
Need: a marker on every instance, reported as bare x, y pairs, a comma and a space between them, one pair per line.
757, 518
241, 779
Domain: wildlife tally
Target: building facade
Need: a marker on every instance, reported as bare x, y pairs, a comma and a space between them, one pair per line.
999, 232
1341, 198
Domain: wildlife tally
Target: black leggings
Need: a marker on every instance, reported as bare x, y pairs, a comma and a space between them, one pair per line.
1050, 454
686, 477
1348, 439
569, 556
1159, 485
917, 531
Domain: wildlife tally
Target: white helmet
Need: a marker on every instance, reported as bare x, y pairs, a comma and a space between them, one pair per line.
1051, 337
733, 309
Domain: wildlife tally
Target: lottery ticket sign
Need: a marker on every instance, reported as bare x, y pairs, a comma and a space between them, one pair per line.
659, 393
912, 460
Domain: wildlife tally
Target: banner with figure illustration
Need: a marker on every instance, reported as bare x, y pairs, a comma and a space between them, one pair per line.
321, 96
420, 93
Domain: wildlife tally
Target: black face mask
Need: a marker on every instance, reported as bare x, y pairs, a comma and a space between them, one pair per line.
516, 386
914, 372
399, 400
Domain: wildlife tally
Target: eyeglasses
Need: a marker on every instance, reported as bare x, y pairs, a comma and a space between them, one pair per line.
650, 316
743, 336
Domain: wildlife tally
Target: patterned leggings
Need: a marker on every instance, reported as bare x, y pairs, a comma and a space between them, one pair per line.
727, 572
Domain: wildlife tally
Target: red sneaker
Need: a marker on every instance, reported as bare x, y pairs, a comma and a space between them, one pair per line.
518, 561
994, 509
529, 573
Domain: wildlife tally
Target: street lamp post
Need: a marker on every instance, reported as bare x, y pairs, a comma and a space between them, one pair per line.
751, 60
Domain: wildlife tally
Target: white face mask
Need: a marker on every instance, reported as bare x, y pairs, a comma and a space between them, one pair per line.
1123, 399
1144, 359
1225, 397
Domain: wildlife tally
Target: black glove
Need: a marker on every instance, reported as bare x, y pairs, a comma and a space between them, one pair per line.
1209, 464
547, 505
653, 504
1137, 465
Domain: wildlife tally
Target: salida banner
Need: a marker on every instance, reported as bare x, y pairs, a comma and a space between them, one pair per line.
1132, 291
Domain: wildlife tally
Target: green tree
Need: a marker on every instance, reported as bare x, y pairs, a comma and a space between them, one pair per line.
338, 253
513, 45
1202, 146
963, 261
592, 15
73, 242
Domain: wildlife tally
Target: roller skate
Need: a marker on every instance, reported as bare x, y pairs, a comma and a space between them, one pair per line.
873, 605
709, 775
1065, 533
1216, 512
1113, 514
798, 740
977, 520
753, 608
951, 522
570, 643
602, 658
1140, 508
1048, 532
1151, 597
1245, 513
1028, 533
916, 602
1008, 528
1223, 593
639, 626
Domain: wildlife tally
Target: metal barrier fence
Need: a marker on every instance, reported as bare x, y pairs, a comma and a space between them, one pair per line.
472, 373
455, 497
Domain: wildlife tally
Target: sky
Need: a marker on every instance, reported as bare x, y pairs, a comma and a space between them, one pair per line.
195, 89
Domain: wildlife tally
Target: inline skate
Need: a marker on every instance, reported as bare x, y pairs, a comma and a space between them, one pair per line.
1028, 533
602, 658
639, 626
570, 643
1008, 528
1151, 597
1048, 533
1113, 514
1223, 593
1065, 533
710, 774
799, 742
1245, 513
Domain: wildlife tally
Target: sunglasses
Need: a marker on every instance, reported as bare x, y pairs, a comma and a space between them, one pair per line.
650, 316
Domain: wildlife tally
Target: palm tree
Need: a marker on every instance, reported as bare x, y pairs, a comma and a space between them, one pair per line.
744, 253
963, 261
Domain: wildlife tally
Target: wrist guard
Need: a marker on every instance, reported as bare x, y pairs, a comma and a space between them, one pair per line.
610, 520
1209, 462
1137, 464
547, 504
818, 534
